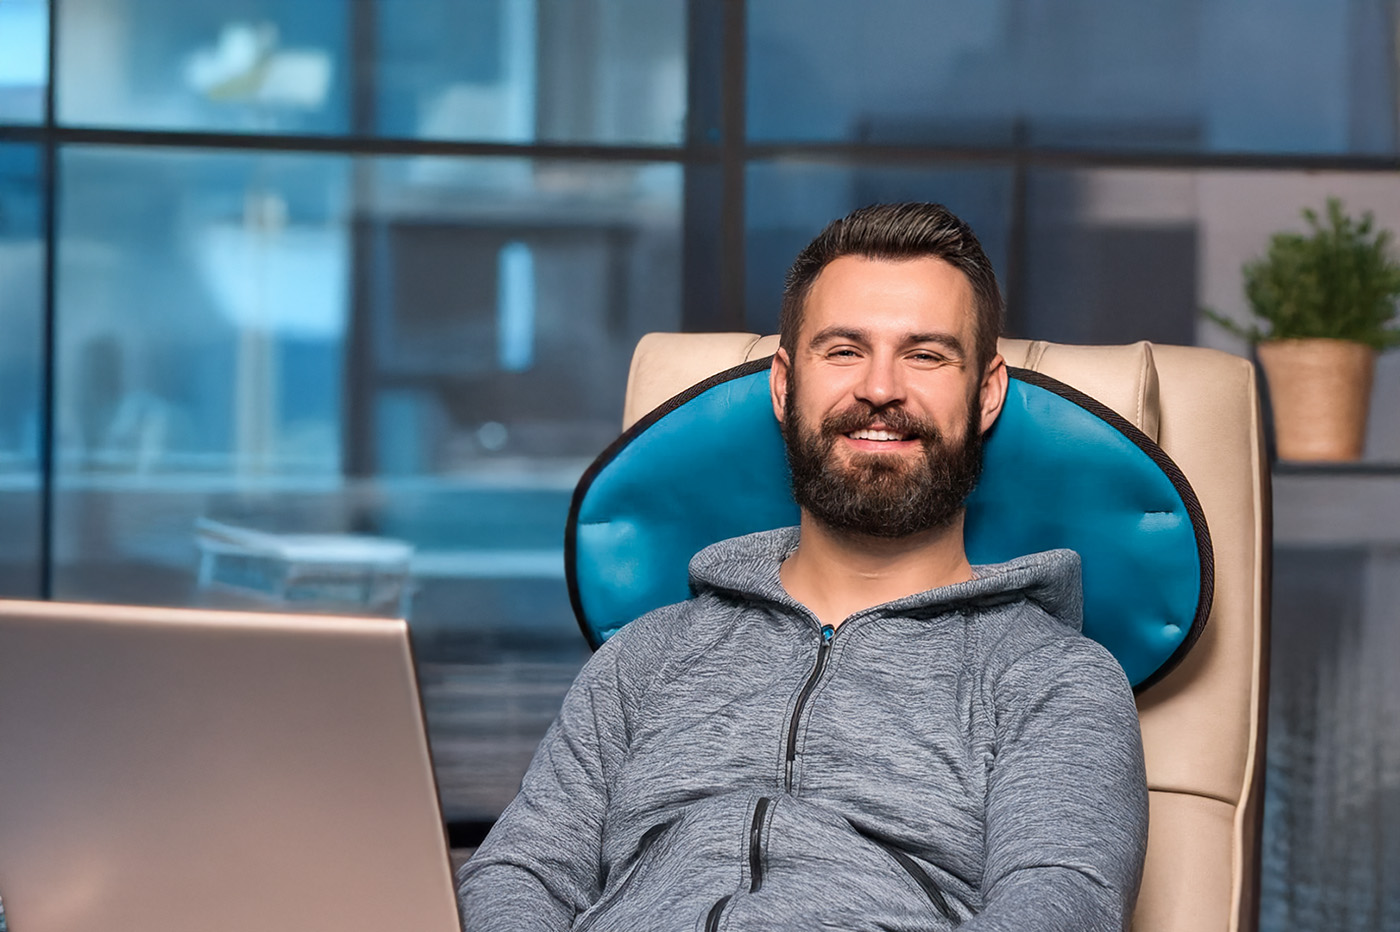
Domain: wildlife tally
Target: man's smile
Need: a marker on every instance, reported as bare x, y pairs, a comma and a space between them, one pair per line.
873, 434
880, 439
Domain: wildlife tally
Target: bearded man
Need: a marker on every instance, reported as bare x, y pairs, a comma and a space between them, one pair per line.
848, 726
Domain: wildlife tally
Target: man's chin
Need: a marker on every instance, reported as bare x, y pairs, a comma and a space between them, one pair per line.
882, 523
876, 467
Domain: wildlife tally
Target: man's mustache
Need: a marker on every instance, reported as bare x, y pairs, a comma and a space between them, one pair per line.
864, 417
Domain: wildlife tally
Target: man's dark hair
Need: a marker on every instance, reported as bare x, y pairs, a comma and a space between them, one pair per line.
898, 231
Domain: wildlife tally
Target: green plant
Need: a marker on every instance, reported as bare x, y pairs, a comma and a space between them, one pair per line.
1339, 282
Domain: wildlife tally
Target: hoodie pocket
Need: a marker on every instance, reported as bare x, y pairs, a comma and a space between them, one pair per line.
649, 838
920, 877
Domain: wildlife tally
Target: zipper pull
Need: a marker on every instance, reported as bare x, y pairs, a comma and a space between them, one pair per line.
827, 632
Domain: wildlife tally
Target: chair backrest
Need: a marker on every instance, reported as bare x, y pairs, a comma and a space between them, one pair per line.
1203, 724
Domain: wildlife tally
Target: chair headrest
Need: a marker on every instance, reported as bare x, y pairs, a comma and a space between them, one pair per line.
1060, 470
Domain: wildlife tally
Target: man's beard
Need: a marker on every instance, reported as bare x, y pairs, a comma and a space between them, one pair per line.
881, 494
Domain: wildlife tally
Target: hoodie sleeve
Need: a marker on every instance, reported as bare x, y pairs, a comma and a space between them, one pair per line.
540, 864
1067, 796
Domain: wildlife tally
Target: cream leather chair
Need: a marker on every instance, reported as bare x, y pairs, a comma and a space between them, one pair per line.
1203, 724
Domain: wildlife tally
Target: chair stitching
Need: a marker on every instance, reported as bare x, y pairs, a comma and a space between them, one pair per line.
1141, 393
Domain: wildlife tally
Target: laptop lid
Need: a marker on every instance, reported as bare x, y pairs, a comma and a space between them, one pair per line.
177, 769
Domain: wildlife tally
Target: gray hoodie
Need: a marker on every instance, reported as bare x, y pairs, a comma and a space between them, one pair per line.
960, 757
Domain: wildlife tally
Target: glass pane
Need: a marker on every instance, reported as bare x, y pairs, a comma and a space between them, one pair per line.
1117, 255
235, 65
1308, 76
24, 60
487, 70
420, 377
532, 70
21, 369
1111, 257
789, 202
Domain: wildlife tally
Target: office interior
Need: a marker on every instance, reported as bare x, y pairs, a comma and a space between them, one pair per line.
285, 283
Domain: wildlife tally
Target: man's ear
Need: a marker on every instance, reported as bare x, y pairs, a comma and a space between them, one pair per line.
778, 377
993, 391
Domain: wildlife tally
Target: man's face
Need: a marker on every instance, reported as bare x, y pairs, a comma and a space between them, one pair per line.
882, 406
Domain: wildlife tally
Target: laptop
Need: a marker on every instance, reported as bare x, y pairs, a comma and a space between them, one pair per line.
171, 770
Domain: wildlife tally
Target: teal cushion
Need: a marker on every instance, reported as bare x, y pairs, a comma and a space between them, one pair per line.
1061, 470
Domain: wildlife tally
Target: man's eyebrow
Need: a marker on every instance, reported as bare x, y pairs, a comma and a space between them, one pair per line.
947, 340
854, 334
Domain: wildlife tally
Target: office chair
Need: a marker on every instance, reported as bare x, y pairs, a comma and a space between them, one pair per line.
1181, 431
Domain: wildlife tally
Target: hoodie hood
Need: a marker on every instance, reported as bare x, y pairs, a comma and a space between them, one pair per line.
747, 567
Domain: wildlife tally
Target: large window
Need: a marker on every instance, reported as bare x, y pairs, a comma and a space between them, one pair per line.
371, 271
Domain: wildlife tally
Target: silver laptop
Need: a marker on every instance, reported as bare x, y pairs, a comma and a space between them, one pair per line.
174, 770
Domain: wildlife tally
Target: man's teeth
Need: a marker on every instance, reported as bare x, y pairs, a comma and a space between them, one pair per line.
875, 435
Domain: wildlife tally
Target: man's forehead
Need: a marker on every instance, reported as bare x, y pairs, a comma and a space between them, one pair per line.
905, 296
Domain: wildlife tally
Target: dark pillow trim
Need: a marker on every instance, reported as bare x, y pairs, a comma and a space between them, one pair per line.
1069, 393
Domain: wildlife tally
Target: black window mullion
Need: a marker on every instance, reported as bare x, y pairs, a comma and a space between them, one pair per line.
733, 163
358, 373
702, 244
47, 427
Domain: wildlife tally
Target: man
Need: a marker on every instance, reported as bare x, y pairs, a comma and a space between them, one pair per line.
848, 726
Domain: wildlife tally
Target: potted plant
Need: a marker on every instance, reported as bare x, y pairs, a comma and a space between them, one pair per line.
1328, 299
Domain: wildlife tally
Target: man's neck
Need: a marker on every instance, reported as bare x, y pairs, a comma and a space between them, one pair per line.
837, 575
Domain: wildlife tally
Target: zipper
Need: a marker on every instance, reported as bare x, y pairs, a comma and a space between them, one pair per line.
755, 845
823, 652
712, 920
755, 863
925, 882
643, 845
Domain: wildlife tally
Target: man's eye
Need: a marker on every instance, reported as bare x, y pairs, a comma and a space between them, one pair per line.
930, 357
844, 351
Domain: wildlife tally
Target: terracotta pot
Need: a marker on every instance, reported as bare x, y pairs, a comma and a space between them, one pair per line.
1320, 391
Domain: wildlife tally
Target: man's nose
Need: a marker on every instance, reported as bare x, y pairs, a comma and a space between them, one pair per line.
882, 383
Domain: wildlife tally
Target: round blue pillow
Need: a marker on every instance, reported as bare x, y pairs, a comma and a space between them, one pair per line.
1060, 470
